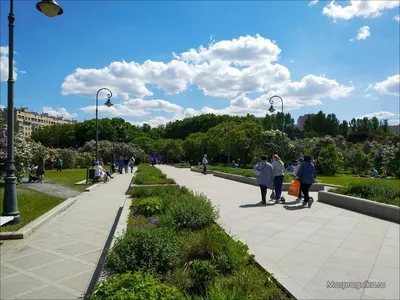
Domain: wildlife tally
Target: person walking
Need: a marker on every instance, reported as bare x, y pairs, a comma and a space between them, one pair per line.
300, 160
132, 164
205, 163
126, 164
120, 164
278, 170
264, 172
59, 164
306, 175
40, 169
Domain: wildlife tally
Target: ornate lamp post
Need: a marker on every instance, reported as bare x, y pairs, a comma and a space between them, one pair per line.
271, 110
108, 104
49, 8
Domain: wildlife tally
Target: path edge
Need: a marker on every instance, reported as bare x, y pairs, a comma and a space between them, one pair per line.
35, 224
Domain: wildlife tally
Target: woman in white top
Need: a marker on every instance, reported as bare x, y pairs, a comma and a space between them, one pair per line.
278, 171
99, 172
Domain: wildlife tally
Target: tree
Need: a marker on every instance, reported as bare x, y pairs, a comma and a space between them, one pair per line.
359, 162
330, 160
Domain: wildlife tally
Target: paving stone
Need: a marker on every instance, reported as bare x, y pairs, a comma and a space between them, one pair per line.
49, 292
92, 257
79, 282
35, 260
77, 248
58, 270
4, 272
16, 285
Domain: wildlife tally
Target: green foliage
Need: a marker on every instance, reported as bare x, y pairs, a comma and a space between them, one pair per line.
190, 211
134, 286
201, 273
149, 206
393, 162
330, 160
145, 248
379, 190
151, 175
359, 162
154, 191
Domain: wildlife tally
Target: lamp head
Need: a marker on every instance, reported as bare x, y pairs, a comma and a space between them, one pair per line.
108, 103
271, 109
49, 8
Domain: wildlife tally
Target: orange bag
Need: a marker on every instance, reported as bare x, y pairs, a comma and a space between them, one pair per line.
294, 188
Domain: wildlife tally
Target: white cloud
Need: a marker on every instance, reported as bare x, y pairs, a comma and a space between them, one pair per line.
134, 108
384, 115
292, 61
390, 86
397, 18
4, 64
370, 86
363, 33
358, 9
58, 112
313, 2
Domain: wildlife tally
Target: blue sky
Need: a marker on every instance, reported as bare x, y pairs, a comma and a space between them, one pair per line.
339, 57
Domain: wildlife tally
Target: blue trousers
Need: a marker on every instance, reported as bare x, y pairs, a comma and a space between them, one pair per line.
278, 181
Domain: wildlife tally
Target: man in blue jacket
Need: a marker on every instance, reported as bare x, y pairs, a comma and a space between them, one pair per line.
306, 175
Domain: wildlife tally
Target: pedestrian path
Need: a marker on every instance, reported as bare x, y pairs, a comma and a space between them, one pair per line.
306, 249
58, 260
51, 189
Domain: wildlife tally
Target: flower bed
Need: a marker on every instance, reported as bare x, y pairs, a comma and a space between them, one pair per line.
146, 175
173, 249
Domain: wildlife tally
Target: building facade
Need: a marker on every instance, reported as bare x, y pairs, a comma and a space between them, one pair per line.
27, 122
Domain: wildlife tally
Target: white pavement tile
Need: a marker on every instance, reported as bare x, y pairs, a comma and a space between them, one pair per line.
49, 292
35, 260
390, 277
16, 285
388, 257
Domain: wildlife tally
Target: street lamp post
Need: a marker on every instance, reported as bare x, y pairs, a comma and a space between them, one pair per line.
49, 8
108, 104
271, 110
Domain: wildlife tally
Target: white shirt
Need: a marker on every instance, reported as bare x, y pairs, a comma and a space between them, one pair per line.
98, 171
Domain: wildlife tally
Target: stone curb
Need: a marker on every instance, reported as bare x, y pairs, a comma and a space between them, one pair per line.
35, 224
367, 207
89, 188
197, 170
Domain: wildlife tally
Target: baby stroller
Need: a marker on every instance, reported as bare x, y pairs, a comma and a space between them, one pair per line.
273, 196
33, 176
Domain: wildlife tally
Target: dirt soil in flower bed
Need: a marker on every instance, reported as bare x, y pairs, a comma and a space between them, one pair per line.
174, 248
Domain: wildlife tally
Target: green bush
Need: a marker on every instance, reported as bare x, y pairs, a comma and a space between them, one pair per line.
151, 175
379, 190
180, 278
148, 206
330, 160
182, 165
189, 211
201, 273
154, 192
145, 248
134, 286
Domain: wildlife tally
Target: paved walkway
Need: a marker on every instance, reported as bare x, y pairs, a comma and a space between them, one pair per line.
51, 189
305, 248
58, 260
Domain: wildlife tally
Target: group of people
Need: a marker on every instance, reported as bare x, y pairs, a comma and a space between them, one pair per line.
125, 163
36, 172
270, 176
56, 163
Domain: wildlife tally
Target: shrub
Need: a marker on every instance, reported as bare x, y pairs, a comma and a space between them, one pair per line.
156, 192
253, 282
180, 278
190, 211
144, 248
330, 160
151, 175
393, 162
148, 206
134, 286
201, 273
377, 190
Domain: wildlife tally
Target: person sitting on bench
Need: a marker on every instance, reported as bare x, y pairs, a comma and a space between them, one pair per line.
99, 173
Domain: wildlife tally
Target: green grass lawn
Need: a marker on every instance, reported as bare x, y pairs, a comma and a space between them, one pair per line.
343, 179
31, 205
67, 178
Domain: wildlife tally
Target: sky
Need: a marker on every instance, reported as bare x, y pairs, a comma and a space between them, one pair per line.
167, 60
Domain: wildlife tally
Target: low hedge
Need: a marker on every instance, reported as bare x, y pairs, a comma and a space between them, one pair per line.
151, 175
375, 190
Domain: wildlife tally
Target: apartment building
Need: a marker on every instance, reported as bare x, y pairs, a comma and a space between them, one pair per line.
27, 122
